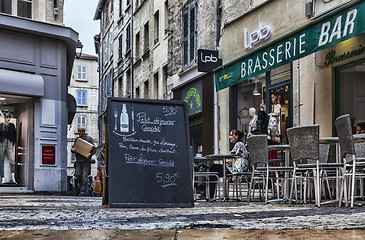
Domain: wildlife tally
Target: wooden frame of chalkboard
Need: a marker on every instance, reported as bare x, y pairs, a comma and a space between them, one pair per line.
148, 160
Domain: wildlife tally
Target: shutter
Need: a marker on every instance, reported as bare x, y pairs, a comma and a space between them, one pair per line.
192, 34
185, 37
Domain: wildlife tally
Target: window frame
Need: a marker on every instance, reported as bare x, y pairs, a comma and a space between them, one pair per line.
81, 72
189, 60
81, 101
80, 122
14, 8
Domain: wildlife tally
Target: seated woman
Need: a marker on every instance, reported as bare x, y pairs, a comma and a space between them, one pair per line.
236, 164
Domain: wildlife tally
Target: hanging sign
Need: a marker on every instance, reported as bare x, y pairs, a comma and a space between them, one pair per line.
208, 60
319, 34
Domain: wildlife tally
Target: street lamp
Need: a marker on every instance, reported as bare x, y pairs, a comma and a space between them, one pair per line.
79, 46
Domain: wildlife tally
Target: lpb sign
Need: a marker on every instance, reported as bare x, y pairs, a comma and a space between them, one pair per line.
208, 60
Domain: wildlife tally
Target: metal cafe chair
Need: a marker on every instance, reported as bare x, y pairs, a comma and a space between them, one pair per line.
256, 159
305, 152
353, 166
258, 149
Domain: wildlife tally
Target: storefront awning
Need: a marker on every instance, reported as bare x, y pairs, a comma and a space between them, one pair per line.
334, 27
21, 83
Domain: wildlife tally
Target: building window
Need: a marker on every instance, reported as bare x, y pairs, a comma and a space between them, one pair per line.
80, 122
166, 16
189, 35
128, 82
146, 90
146, 37
20, 8
155, 83
81, 73
157, 26
120, 8
137, 45
128, 39
105, 50
120, 86
120, 48
111, 43
81, 98
137, 92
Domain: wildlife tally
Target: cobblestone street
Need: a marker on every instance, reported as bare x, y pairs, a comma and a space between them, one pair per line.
26, 214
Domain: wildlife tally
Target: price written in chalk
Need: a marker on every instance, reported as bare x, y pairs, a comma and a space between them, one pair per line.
167, 179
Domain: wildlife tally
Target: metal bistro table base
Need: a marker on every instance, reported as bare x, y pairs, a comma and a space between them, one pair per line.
223, 157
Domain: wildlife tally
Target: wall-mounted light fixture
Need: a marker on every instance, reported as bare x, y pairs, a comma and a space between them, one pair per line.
79, 46
309, 10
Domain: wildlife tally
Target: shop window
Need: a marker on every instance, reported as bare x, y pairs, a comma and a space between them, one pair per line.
20, 8
81, 98
81, 73
189, 35
350, 93
80, 121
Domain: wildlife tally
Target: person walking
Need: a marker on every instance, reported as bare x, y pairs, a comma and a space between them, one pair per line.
83, 163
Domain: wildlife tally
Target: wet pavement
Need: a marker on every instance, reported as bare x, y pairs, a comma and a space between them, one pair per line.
60, 217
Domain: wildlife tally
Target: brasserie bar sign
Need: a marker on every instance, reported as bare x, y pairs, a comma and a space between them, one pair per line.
317, 35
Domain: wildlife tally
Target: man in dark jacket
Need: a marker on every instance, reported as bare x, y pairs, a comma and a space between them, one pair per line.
83, 164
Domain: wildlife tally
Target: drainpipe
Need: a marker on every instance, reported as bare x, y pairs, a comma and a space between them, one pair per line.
215, 94
131, 37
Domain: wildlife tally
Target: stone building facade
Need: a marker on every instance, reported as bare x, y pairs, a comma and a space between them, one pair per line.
132, 47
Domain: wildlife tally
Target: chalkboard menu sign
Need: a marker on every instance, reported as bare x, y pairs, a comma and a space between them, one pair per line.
148, 154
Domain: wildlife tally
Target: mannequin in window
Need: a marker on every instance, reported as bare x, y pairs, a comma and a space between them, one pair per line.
273, 129
262, 121
244, 117
7, 145
252, 124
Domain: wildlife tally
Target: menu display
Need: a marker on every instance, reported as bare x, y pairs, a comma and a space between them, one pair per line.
148, 154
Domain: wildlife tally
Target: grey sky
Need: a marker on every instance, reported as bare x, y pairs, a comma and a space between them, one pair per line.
79, 15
